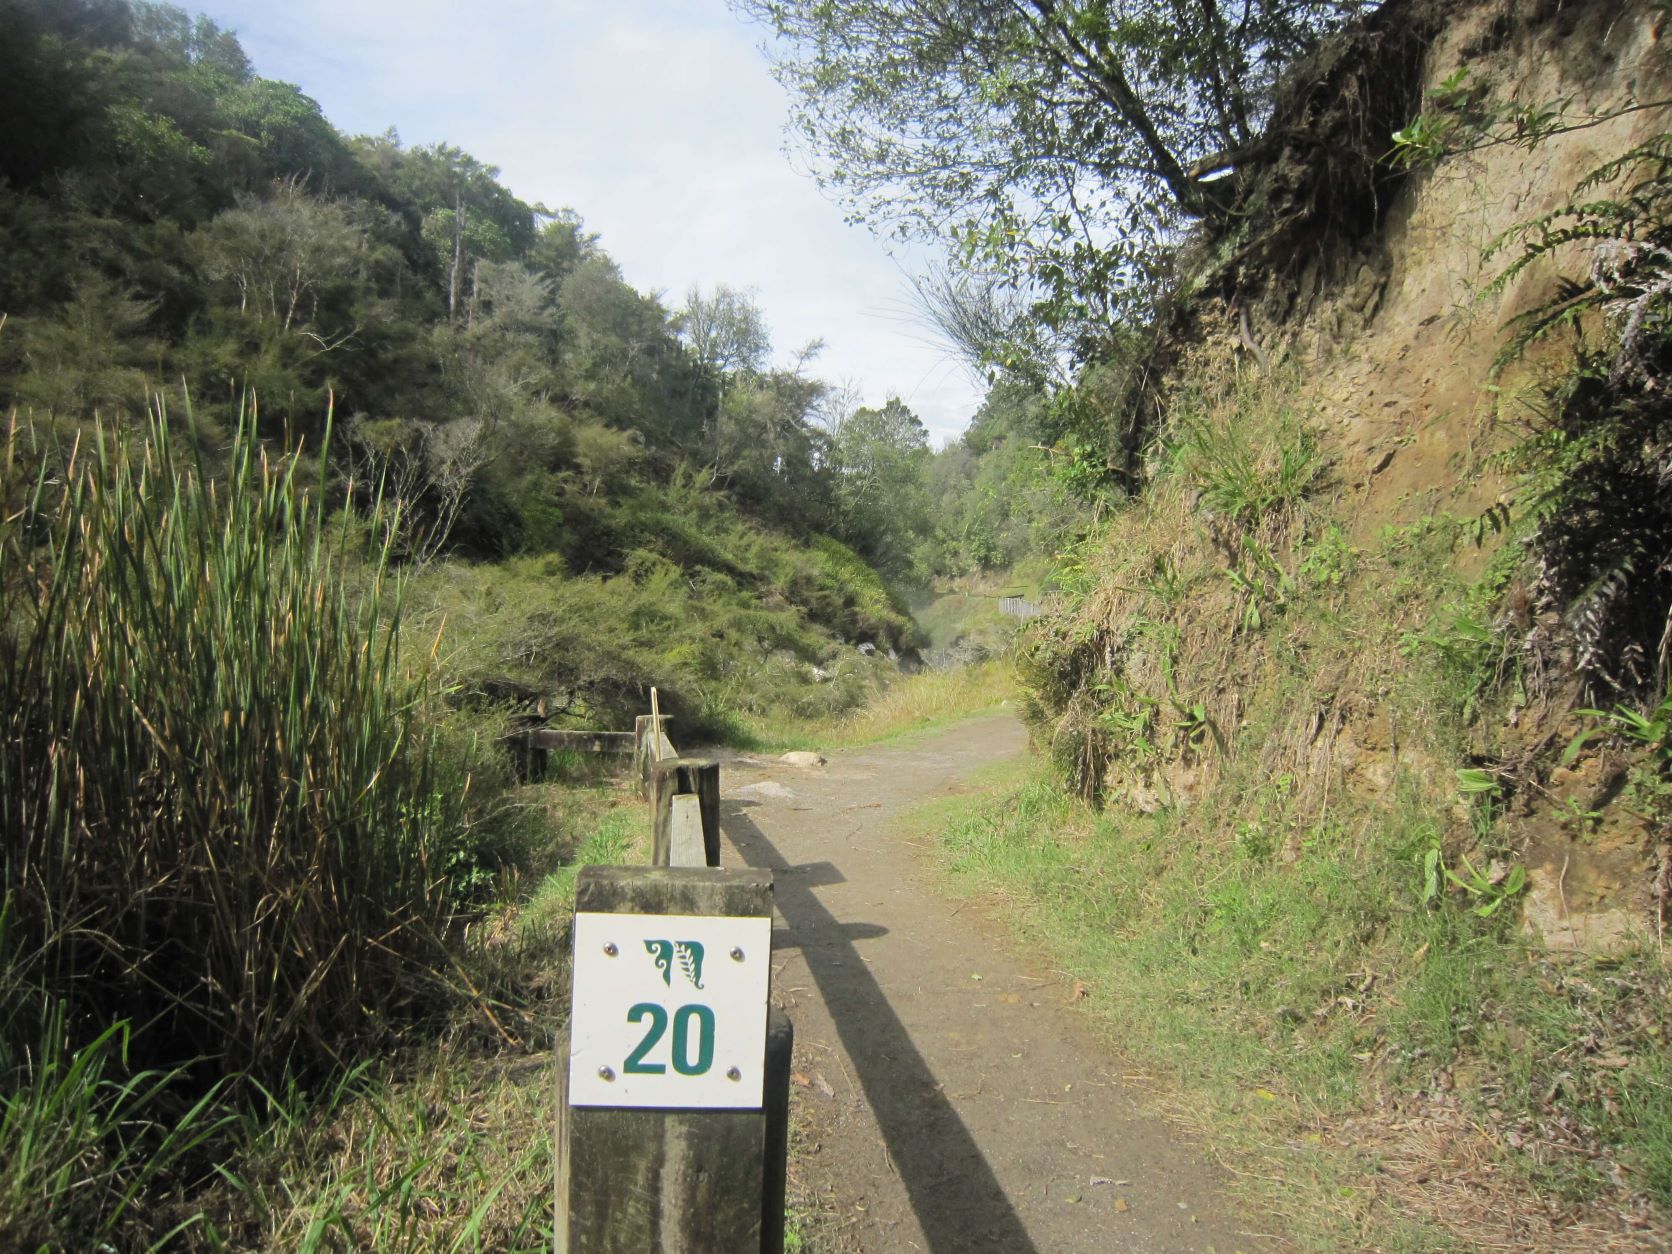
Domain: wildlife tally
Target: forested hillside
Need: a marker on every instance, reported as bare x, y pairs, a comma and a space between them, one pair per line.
176, 228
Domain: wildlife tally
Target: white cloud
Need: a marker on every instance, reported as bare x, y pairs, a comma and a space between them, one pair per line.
658, 121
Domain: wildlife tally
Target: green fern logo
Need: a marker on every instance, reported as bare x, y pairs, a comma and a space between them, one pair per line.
690, 961
687, 955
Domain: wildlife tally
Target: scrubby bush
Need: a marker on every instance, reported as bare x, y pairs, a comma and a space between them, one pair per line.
223, 819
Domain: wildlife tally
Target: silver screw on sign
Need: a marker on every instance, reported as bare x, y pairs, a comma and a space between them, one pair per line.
605, 1074
610, 949
732, 1073
736, 954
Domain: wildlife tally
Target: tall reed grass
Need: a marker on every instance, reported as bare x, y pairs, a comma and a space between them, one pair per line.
223, 820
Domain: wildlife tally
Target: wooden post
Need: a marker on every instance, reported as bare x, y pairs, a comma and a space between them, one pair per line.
780, 1050
672, 777
685, 1181
516, 745
650, 746
641, 753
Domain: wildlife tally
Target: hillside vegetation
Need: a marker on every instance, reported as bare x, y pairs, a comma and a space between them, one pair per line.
1330, 347
1352, 329
559, 450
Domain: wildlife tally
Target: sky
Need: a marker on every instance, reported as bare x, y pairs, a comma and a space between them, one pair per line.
660, 123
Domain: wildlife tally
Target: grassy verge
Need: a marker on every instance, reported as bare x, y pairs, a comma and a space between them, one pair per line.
620, 836
916, 704
1353, 1055
446, 1146
1314, 778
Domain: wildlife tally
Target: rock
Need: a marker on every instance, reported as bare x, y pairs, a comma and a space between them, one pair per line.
801, 757
766, 790
868, 649
1143, 799
1600, 932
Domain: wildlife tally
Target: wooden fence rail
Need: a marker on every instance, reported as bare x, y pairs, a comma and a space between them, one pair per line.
530, 749
675, 1171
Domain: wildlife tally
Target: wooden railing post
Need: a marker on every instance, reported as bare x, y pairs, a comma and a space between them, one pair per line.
685, 842
780, 1052
673, 1141
650, 746
642, 756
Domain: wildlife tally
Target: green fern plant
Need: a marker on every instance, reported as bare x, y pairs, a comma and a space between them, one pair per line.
1620, 214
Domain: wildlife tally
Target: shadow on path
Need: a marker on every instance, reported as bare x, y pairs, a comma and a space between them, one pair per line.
952, 1189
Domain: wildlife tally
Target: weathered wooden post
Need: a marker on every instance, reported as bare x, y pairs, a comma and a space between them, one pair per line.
673, 777
526, 764
673, 1113
650, 746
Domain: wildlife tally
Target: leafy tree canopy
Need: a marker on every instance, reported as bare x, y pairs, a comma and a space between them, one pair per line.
1062, 143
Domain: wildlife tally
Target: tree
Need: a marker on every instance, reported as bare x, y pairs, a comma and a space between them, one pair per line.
768, 453
1062, 142
726, 331
992, 501
51, 97
212, 53
289, 135
621, 358
468, 216
282, 257
881, 456
989, 323
88, 358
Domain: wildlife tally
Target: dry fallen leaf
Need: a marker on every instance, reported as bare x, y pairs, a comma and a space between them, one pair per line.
797, 1078
1120, 1206
1081, 991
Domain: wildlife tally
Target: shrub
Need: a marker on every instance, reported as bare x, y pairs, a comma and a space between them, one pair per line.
1247, 470
221, 810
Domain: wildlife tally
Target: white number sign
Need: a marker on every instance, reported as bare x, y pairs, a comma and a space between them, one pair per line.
669, 1010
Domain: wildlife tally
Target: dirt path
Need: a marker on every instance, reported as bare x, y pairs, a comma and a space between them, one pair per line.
954, 1101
